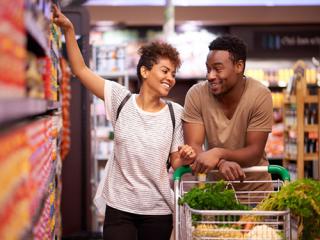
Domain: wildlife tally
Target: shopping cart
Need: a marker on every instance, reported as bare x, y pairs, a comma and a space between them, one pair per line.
231, 224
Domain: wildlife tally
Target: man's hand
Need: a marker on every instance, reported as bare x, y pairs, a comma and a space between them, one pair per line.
187, 154
206, 161
231, 170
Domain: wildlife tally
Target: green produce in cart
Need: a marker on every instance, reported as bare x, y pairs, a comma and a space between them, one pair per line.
212, 196
302, 197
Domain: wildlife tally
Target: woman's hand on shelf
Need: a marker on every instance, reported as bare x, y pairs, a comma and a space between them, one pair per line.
60, 19
88, 78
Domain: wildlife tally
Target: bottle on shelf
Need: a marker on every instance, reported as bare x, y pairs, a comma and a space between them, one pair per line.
301, 113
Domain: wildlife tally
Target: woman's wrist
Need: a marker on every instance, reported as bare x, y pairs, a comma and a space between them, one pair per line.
69, 29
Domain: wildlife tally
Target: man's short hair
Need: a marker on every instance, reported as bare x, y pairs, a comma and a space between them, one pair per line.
234, 45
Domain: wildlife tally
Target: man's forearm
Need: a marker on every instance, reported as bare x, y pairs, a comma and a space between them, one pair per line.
245, 157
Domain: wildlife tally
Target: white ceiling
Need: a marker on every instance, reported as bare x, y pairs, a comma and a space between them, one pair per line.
204, 2
214, 16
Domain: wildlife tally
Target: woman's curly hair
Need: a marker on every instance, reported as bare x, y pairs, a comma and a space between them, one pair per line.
151, 53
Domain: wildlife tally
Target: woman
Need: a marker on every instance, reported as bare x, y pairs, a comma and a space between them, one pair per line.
136, 193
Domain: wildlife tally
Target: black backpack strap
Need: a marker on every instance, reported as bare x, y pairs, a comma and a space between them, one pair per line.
126, 98
172, 115
173, 119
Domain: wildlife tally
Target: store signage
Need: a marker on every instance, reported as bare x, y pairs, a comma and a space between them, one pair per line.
287, 41
280, 41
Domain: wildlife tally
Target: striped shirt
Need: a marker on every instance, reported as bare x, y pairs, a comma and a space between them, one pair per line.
136, 179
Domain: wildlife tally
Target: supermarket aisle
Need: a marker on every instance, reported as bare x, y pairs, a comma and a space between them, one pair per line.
34, 121
39, 119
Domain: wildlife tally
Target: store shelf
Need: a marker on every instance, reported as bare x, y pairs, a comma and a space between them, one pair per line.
290, 128
306, 157
276, 87
290, 157
14, 109
109, 62
311, 128
274, 158
311, 157
31, 124
301, 139
39, 37
104, 138
112, 74
307, 99
44, 197
52, 105
101, 158
311, 99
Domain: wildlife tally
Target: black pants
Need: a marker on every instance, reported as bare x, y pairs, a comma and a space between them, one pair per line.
119, 225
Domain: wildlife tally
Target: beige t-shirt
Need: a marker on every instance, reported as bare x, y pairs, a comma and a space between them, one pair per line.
253, 113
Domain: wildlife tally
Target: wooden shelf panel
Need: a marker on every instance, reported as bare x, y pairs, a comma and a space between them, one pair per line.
307, 128
307, 99
304, 94
311, 99
290, 129
311, 157
306, 157
311, 128
289, 157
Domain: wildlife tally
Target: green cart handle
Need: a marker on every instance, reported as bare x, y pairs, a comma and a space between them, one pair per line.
273, 169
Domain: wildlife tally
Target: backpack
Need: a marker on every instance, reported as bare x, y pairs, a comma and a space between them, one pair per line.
126, 98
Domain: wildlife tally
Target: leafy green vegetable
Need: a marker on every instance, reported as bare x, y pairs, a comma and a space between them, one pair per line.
212, 197
302, 197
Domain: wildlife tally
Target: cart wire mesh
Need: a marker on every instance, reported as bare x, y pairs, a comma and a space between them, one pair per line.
234, 224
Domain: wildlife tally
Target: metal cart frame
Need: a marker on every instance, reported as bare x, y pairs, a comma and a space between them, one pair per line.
182, 214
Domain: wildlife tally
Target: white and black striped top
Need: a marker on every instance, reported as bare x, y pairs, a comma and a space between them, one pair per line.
136, 179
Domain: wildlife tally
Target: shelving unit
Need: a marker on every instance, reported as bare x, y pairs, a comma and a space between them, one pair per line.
301, 114
32, 120
109, 63
276, 75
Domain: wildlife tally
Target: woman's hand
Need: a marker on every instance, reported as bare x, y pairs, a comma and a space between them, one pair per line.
60, 19
187, 154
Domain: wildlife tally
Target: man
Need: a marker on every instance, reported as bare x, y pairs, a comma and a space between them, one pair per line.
232, 112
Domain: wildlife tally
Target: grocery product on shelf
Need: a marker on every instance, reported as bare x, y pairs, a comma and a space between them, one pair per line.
275, 147
27, 164
12, 49
65, 105
31, 121
35, 83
